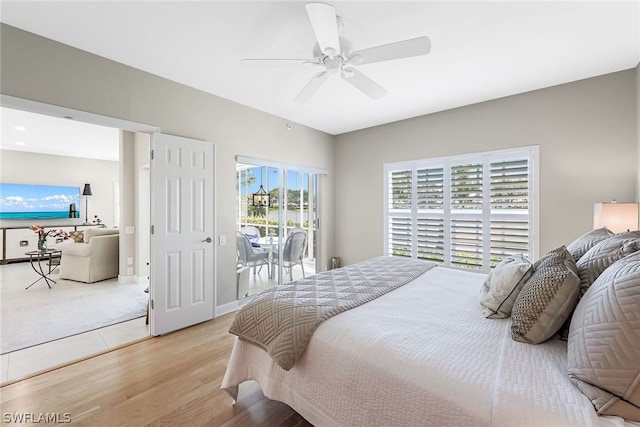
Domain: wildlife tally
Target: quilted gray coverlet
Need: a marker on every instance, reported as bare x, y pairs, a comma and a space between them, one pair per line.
282, 319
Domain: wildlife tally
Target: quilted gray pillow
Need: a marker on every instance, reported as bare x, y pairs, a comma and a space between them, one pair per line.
502, 286
603, 254
546, 299
582, 244
604, 341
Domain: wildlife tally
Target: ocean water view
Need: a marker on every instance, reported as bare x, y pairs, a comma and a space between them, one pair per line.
33, 215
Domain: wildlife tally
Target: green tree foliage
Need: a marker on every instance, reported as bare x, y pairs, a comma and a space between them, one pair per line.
246, 179
293, 198
255, 211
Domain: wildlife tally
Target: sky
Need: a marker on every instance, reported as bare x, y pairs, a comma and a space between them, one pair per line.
293, 180
37, 198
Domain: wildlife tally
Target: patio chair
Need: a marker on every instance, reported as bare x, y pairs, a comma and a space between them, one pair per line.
253, 234
293, 252
295, 230
248, 256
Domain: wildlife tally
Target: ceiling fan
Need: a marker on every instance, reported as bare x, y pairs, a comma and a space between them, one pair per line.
334, 54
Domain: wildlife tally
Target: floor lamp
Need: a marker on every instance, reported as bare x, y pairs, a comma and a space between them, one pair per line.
86, 192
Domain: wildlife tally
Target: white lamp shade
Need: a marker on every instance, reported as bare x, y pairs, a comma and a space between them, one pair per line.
617, 217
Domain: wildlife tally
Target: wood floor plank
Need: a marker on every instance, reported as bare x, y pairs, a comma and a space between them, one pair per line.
170, 380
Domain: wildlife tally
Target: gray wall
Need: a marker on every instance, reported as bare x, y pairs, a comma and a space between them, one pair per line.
39, 69
588, 142
638, 128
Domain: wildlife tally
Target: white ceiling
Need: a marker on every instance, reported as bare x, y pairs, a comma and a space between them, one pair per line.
480, 50
37, 133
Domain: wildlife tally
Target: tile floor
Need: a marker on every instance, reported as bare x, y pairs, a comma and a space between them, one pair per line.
26, 362
22, 363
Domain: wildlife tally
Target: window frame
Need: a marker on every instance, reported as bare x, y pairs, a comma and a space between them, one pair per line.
447, 214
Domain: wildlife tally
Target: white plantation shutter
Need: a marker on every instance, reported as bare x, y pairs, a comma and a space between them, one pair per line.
509, 194
430, 192
429, 220
464, 212
399, 226
466, 216
430, 239
400, 236
510, 185
466, 188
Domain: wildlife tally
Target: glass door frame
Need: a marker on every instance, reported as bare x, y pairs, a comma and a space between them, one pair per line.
282, 169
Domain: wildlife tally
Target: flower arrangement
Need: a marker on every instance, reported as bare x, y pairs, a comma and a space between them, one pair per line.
42, 235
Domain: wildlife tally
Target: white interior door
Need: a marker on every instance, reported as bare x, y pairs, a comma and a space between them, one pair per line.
182, 245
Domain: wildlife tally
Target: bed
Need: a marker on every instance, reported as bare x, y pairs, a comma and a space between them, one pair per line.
421, 354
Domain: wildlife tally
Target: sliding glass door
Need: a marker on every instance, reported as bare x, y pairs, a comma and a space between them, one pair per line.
277, 211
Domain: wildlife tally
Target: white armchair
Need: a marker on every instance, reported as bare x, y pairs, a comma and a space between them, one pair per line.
97, 258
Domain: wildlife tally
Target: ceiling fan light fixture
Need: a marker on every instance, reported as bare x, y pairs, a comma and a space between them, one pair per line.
330, 52
334, 52
333, 65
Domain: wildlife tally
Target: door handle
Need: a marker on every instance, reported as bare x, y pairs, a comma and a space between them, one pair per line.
208, 240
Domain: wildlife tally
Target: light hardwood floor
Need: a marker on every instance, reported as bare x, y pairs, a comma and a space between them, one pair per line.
170, 380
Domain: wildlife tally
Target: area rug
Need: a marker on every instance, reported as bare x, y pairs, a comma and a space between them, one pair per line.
39, 314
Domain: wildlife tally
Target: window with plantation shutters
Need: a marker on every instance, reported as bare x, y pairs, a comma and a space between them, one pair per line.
466, 212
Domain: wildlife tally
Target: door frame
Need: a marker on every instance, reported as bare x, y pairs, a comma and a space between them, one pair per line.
283, 166
97, 119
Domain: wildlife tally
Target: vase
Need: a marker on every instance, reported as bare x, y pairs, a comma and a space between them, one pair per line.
42, 242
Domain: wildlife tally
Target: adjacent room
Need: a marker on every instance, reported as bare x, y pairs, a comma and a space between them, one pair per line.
62, 292
342, 213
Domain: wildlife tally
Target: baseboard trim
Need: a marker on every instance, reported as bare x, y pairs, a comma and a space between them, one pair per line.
227, 308
127, 279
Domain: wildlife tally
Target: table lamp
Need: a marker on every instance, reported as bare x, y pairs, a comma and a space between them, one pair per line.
617, 217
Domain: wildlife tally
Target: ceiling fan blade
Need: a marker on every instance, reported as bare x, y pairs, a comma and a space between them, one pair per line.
397, 50
314, 84
325, 26
370, 88
277, 62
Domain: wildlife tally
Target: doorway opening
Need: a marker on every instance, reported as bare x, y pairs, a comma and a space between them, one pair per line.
109, 187
276, 242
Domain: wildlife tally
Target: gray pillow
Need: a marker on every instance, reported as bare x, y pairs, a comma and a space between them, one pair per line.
603, 350
546, 299
502, 286
605, 253
582, 244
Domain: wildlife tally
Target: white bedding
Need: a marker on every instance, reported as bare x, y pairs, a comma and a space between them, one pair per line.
421, 355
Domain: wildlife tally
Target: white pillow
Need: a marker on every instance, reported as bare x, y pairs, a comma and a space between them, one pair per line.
502, 286
603, 254
603, 356
582, 244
